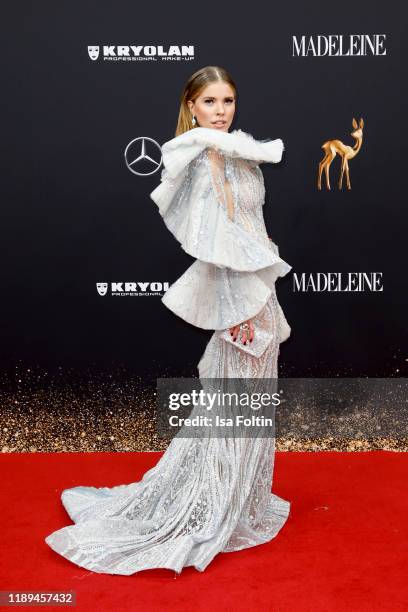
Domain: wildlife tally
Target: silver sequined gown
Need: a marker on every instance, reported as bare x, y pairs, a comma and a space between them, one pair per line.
208, 495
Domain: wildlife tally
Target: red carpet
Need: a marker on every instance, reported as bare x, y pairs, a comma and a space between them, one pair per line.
344, 546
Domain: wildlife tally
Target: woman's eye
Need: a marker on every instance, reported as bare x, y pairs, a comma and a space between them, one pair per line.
228, 101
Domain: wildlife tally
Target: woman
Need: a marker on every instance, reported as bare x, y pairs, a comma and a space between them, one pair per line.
210, 494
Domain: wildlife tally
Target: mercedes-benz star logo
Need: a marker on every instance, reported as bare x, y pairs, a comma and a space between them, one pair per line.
136, 156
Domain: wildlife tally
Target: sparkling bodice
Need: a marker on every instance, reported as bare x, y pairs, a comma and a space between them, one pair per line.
247, 184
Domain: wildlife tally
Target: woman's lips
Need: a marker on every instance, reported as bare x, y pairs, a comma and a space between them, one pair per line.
219, 122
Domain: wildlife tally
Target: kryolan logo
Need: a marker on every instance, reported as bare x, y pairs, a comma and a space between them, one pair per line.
132, 288
134, 53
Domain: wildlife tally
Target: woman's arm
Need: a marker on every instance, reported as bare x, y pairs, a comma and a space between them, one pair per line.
222, 186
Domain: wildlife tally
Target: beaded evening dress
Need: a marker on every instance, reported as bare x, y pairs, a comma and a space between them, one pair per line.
211, 494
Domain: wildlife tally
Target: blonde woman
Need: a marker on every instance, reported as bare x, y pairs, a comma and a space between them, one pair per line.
210, 494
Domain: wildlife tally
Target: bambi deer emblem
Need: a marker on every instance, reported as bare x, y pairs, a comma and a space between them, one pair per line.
332, 147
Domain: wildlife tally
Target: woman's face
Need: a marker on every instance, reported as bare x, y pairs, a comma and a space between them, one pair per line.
214, 107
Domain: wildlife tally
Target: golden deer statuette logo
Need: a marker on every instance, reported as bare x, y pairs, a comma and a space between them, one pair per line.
332, 147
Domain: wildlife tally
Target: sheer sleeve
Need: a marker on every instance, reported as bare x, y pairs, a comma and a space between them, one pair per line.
221, 185
198, 208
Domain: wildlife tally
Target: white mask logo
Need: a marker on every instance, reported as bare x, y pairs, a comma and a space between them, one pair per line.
102, 288
93, 52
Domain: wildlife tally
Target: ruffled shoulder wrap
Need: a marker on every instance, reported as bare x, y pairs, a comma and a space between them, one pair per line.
235, 271
181, 150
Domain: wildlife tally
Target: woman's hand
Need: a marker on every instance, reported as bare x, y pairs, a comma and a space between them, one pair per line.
247, 334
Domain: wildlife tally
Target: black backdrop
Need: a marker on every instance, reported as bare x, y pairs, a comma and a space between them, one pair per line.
73, 214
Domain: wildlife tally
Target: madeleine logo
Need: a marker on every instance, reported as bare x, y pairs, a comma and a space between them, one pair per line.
339, 45
93, 52
346, 152
348, 282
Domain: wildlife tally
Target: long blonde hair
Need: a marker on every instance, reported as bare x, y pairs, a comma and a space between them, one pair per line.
192, 89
